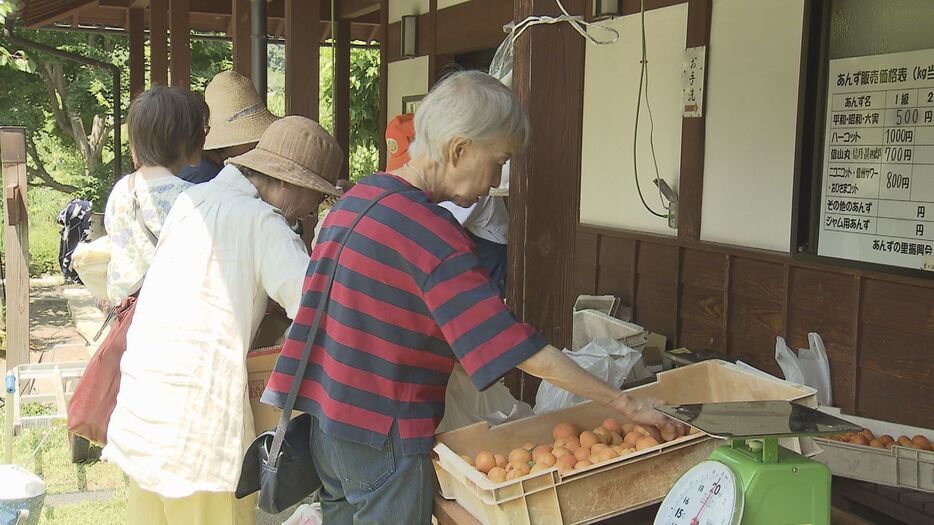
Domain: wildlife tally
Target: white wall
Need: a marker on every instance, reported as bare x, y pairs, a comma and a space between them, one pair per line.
752, 97
406, 77
611, 83
398, 8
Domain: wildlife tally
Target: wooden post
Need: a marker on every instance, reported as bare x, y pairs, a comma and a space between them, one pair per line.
181, 43
240, 22
691, 182
136, 29
544, 181
158, 44
16, 245
302, 56
383, 79
342, 92
432, 42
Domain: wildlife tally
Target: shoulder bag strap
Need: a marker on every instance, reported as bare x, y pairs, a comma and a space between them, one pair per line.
131, 185
299, 376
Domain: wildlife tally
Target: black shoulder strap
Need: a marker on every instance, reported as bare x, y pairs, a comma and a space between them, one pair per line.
274, 450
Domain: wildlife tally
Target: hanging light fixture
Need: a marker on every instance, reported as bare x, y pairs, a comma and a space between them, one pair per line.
607, 8
409, 34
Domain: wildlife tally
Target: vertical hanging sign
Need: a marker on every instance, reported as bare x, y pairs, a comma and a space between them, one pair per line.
877, 194
692, 81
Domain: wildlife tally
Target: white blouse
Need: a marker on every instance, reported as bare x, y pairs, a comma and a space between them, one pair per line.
182, 420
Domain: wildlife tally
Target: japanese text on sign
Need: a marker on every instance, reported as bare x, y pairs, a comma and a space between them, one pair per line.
878, 178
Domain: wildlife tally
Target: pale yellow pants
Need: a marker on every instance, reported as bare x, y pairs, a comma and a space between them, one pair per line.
201, 508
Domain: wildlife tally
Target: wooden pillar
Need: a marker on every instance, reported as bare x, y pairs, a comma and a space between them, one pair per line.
383, 79
342, 92
432, 42
158, 43
240, 34
15, 244
691, 181
544, 186
136, 29
181, 43
302, 56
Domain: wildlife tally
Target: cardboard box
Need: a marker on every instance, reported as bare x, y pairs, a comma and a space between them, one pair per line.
895, 467
259, 366
606, 489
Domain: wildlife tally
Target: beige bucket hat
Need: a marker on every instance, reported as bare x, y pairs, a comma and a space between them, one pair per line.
238, 116
299, 151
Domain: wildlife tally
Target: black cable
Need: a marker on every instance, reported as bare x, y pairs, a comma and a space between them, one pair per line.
635, 134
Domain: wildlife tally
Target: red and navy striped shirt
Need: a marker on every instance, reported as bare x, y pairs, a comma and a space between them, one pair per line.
409, 297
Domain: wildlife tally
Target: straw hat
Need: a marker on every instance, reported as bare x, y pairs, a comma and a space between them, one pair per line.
299, 151
238, 116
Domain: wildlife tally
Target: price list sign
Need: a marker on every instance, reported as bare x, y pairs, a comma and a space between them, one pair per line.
877, 197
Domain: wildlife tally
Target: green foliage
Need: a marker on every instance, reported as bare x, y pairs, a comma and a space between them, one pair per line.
57, 168
208, 58
44, 230
364, 101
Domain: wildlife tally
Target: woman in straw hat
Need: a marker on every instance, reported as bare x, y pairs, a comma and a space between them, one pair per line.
238, 119
410, 299
182, 420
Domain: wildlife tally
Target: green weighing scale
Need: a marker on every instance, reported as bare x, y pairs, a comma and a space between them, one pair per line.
753, 480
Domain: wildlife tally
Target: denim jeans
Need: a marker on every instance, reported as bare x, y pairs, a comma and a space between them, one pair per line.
362, 485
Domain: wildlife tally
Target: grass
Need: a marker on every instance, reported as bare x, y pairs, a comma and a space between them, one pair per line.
44, 230
51, 461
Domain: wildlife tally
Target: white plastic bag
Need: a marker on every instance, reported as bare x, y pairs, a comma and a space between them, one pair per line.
465, 405
809, 367
306, 514
90, 260
606, 359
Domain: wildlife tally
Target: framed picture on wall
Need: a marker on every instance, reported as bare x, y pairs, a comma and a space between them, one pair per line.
411, 102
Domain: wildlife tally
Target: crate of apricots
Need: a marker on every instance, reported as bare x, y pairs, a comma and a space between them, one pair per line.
883, 452
572, 449
586, 462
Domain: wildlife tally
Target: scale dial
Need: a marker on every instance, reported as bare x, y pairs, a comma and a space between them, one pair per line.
707, 494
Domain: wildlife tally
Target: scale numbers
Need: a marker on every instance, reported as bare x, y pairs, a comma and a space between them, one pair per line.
705, 495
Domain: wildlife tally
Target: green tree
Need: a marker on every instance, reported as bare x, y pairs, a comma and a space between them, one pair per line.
364, 101
67, 107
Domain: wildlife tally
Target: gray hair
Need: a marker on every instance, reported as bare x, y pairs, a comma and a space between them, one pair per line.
471, 105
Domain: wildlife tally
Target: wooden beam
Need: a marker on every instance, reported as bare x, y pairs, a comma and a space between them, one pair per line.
158, 43
356, 8
383, 79
342, 93
240, 24
302, 55
543, 208
136, 28
691, 182
34, 17
16, 244
181, 42
432, 42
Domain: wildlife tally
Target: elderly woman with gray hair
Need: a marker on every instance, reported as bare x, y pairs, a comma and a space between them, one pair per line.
409, 299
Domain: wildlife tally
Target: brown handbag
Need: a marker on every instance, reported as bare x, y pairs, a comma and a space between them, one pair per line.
95, 397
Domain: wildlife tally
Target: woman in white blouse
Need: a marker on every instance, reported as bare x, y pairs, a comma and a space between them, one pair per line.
182, 420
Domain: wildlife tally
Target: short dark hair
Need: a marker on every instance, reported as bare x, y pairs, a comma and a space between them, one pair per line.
165, 124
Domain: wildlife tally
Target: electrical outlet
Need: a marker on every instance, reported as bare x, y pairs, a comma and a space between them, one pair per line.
673, 215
